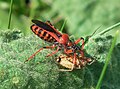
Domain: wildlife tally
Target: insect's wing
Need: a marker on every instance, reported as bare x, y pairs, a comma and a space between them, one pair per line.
47, 26
50, 24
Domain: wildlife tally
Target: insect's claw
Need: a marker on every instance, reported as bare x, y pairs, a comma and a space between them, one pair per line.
26, 61
47, 56
91, 62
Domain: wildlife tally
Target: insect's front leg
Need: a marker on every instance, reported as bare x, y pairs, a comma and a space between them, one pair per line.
78, 40
47, 47
68, 51
81, 53
74, 60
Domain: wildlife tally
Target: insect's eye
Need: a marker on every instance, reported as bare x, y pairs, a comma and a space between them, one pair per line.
58, 59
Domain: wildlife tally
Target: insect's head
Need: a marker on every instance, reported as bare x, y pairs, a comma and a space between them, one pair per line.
64, 39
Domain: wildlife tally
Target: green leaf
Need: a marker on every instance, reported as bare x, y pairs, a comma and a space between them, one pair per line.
107, 60
43, 73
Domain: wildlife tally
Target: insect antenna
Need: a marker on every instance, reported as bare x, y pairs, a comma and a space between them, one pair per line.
88, 37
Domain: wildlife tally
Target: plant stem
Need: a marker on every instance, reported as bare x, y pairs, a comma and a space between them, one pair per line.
109, 28
107, 61
63, 25
10, 13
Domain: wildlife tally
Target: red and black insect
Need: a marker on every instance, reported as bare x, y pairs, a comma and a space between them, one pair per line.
47, 32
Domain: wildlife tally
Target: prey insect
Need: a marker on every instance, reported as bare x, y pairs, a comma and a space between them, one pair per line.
67, 62
47, 32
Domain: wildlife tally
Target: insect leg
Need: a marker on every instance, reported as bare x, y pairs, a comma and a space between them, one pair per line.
81, 53
74, 60
77, 41
47, 47
54, 52
68, 51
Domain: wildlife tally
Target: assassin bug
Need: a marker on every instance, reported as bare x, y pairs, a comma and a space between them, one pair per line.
67, 62
47, 32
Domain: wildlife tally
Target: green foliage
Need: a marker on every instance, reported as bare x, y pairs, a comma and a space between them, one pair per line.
43, 73
99, 47
107, 60
7, 36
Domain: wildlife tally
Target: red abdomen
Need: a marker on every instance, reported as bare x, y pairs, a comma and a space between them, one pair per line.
40, 32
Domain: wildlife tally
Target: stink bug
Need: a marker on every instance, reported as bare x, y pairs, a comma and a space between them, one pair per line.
67, 62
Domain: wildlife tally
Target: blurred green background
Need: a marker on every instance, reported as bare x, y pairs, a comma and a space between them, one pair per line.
83, 16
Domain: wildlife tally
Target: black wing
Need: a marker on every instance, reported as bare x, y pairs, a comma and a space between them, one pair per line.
46, 26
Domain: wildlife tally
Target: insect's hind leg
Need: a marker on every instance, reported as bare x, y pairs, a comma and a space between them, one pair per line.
47, 47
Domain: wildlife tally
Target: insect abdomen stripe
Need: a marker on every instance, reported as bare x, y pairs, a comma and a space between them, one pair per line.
42, 33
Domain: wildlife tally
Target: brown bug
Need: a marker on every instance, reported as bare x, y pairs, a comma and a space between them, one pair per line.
67, 62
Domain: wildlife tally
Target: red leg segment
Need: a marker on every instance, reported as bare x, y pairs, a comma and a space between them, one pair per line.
68, 51
54, 52
47, 47
82, 53
74, 60
77, 41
